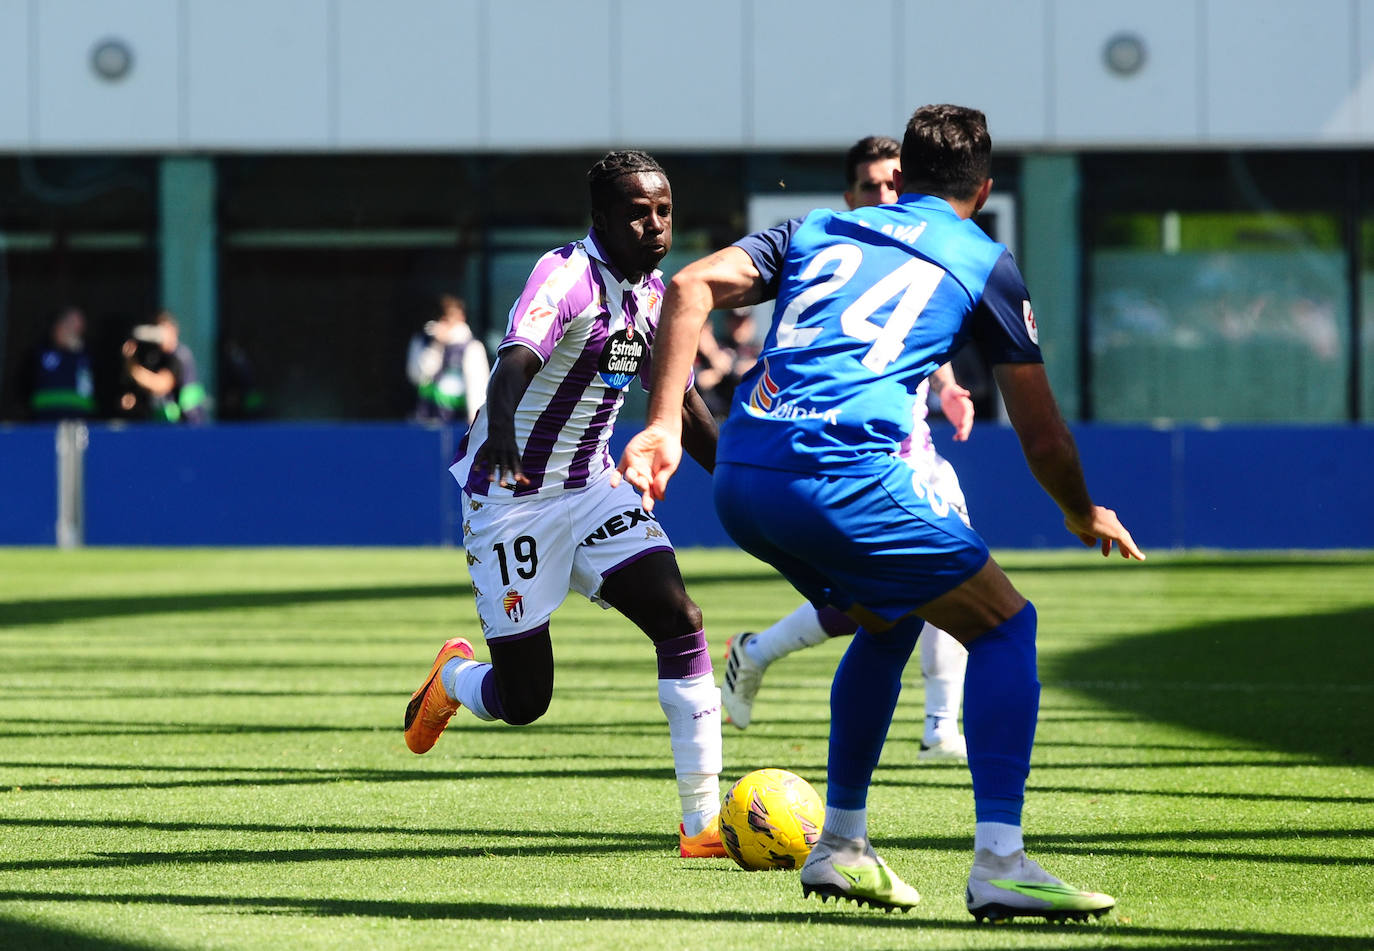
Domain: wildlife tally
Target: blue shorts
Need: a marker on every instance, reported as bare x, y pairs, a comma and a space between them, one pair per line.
884, 541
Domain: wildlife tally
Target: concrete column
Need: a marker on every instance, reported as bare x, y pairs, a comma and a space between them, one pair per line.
188, 257
1051, 260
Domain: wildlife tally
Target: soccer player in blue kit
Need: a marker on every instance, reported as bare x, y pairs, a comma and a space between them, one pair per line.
869, 303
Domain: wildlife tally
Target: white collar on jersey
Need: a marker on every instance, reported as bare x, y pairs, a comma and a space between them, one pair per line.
593, 248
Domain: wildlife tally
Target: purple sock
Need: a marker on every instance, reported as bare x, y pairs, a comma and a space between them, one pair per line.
682, 657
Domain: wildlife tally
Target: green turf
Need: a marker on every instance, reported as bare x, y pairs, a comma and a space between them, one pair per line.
201, 749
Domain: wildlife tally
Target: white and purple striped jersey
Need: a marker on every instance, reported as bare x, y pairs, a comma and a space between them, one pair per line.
593, 331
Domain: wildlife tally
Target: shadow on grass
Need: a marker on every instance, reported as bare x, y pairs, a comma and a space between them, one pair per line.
1119, 935
65, 610
20, 935
1212, 846
1299, 683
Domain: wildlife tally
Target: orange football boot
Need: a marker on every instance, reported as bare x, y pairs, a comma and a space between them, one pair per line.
705, 844
430, 707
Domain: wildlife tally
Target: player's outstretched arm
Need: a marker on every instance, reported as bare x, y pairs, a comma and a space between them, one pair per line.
727, 278
1052, 457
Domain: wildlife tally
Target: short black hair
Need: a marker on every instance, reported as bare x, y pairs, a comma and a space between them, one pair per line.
946, 151
604, 176
871, 148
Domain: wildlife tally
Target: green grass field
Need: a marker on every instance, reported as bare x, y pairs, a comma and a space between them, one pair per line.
202, 749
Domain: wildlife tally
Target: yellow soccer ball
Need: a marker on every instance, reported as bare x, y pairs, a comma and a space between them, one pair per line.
770, 819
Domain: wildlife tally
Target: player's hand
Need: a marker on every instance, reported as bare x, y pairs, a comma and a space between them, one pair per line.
1104, 528
957, 405
501, 461
649, 461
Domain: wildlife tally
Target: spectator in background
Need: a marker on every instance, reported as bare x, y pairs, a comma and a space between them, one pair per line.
162, 382
448, 365
58, 382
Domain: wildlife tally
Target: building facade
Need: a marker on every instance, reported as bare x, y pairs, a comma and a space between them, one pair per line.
1189, 183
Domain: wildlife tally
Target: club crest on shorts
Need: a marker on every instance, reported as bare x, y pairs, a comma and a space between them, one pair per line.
513, 603
622, 357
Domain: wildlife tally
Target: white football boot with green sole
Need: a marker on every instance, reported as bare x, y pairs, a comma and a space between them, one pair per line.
1013, 886
849, 869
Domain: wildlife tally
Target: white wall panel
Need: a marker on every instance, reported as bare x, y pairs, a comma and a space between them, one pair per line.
1158, 104
14, 74
823, 75
988, 54
258, 74
1277, 71
688, 89
75, 107
411, 72
550, 72
1358, 109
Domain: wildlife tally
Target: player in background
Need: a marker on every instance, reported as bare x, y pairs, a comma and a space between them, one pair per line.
541, 513
869, 303
869, 167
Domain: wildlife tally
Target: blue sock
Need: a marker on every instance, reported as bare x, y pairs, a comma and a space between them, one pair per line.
862, 698
1001, 704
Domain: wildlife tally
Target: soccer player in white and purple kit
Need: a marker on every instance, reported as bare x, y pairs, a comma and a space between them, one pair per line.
807, 478
541, 513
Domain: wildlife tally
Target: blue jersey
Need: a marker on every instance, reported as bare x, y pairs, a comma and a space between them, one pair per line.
869, 303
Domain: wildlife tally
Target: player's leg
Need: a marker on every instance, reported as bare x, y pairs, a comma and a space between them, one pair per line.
748, 655
783, 520
519, 557
863, 697
1001, 705
943, 659
943, 662
636, 572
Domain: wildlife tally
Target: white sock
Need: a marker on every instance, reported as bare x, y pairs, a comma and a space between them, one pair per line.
943, 662
463, 682
692, 705
799, 629
999, 838
846, 823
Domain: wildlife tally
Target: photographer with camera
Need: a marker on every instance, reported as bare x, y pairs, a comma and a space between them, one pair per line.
162, 384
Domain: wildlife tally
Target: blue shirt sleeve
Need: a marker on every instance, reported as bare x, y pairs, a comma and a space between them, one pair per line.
767, 250
1002, 322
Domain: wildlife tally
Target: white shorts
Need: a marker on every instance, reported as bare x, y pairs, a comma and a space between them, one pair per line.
524, 557
936, 472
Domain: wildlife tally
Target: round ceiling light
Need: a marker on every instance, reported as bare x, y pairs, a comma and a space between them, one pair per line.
112, 59
1124, 54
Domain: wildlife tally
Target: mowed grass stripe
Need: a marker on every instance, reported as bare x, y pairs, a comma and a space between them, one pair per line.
201, 748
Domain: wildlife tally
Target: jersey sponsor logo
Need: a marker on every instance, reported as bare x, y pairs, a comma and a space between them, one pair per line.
474, 504
473, 560
619, 525
761, 397
534, 323
513, 603
622, 357
1028, 316
763, 403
